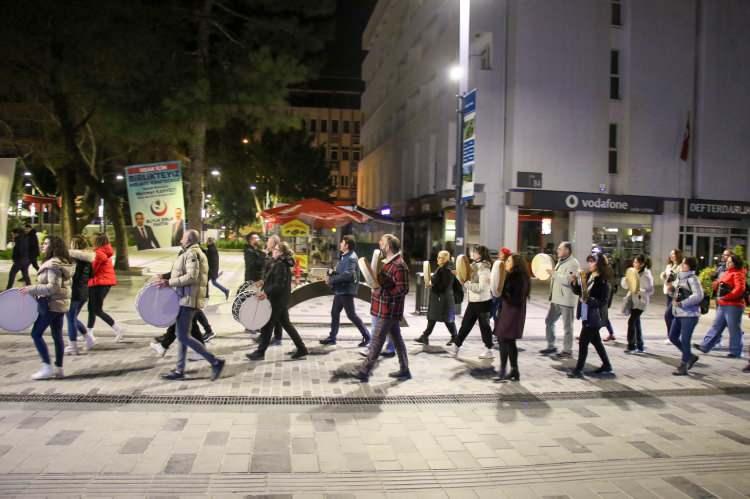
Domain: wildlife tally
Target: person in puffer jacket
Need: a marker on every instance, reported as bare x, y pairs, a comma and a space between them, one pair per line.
277, 288
102, 279
480, 301
730, 303
52, 292
639, 303
686, 294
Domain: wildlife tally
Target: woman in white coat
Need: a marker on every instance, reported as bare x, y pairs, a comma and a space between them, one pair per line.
637, 303
480, 300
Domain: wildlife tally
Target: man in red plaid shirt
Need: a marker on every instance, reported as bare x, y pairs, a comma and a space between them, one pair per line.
387, 309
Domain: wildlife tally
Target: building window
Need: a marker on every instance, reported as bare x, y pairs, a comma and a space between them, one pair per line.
356, 127
334, 126
345, 124
614, 74
345, 154
616, 8
334, 153
313, 125
355, 139
613, 148
344, 181
324, 126
355, 155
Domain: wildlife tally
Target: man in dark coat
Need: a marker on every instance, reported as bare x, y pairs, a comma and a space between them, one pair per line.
20, 258
33, 243
255, 259
344, 281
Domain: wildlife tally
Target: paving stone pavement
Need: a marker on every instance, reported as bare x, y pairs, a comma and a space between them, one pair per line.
282, 428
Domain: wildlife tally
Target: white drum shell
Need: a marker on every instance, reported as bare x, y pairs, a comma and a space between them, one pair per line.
540, 264
427, 273
366, 270
495, 277
158, 306
463, 268
253, 313
17, 312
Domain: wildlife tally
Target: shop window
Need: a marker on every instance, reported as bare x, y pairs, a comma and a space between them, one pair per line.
614, 75
613, 148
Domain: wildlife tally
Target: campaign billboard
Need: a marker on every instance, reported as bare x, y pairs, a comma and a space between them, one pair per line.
157, 205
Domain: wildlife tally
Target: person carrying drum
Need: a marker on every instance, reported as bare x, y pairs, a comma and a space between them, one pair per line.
480, 298
53, 295
562, 300
277, 288
387, 307
189, 277
442, 306
345, 281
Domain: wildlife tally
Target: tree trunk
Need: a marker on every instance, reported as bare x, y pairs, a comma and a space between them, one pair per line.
113, 205
197, 170
66, 182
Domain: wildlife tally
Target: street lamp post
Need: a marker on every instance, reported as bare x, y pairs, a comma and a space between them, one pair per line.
459, 242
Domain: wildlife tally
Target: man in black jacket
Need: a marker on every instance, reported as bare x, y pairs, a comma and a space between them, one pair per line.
20, 258
255, 259
33, 244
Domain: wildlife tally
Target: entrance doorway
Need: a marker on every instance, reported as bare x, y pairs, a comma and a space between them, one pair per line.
707, 243
708, 250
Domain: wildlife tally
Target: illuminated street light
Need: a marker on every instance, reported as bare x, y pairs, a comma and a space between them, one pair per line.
26, 174
208, 196
215, 172
455, 73
27, 184
119, 177
245, 140
253, 187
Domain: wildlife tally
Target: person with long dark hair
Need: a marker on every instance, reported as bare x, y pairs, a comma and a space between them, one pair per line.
442, 307
52, 292
480, 298
277, 288
82, 258
102, 279
594, 296
516, 287
686, 294
638, 302
730, 303
669, 275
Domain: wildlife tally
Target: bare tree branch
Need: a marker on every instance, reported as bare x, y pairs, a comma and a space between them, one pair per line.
230, 37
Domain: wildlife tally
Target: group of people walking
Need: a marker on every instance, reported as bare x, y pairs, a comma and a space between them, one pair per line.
70, 277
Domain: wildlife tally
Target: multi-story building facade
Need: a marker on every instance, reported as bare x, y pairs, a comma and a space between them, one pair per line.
583, 107
333, 118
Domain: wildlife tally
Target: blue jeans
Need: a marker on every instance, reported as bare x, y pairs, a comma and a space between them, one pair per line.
396, 329
668, 316
74, 325
184, 325
215, 282
53, 320
346, 303
681, 333
726, 317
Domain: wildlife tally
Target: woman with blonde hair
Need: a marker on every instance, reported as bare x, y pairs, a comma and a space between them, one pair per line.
442, 307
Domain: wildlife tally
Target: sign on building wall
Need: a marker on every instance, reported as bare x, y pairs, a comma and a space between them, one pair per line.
706, 208
587, 201
532, 180
157, 205
469, 134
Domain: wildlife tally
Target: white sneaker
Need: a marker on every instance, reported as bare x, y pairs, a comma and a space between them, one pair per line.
90, 339
72, 348
667, 342
488, 354
45, 372
453, 350
364, 352
119, 332
59, 372
160, 350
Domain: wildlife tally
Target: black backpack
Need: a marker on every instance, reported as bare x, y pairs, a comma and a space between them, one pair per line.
458, 292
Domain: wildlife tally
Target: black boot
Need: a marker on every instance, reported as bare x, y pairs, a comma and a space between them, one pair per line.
682, 370
424, 339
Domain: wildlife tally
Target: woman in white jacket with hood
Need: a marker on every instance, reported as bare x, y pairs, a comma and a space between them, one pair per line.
638, 303
480, 300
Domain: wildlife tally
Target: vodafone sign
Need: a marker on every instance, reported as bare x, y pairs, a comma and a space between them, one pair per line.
589, 201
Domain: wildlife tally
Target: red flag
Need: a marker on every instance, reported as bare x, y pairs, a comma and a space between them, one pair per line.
685, 150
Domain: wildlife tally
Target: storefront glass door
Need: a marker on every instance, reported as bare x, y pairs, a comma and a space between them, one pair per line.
708, 250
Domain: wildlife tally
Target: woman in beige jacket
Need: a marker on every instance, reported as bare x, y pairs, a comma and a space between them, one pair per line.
53, 296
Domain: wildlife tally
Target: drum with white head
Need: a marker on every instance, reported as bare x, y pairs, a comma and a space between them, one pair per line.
249, 311
463, 268
633, 281
157, 306
496, 277
427, 274
366, 269
541, 264
17, 311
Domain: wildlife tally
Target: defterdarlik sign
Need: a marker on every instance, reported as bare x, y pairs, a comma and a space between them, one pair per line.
589, 201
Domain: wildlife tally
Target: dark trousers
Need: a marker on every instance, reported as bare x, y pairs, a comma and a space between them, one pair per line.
635, 333
74, 325
53, 320
201, 318
346, 303
590, 335
35, 263
280, 317
508, 350
171, 334
472, 315
668, 316
23, 268
450, 325
381, 329
97, 294
609, 327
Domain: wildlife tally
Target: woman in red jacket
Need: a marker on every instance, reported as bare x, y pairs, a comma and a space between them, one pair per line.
102, 278
730, 294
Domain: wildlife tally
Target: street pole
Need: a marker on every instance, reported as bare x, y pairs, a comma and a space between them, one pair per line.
459, 243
